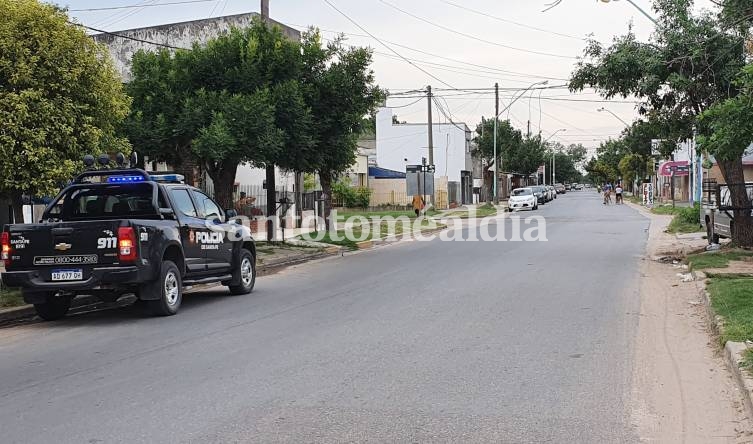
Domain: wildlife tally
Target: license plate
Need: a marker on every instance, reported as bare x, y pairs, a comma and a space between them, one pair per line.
67, 275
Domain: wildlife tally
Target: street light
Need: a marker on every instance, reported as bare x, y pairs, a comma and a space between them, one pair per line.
555, 133
496, 118
638, 8
602, 109
554, 158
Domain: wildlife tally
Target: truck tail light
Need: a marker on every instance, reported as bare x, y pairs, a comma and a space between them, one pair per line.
127, 244
5, 248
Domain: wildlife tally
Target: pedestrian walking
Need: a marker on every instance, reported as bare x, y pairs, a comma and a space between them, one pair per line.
418, 204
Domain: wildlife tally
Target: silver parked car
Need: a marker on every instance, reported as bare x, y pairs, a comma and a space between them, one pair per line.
723, 221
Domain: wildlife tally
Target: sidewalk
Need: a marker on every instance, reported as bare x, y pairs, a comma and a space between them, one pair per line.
681, 391
665, 244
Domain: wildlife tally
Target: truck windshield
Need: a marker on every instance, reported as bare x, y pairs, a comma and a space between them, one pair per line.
124, 201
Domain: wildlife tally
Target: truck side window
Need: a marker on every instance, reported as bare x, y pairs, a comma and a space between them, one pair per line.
207, 207
183, 202
162, 200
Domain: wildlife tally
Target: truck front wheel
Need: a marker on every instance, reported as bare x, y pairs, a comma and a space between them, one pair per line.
164, 296
53, 308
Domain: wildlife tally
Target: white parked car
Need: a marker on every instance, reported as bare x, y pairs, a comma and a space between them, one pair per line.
522, 199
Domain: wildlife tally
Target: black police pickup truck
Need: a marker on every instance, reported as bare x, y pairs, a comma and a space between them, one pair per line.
125, 231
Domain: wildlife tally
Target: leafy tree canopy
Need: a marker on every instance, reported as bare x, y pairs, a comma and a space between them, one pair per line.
60, 98
339, 88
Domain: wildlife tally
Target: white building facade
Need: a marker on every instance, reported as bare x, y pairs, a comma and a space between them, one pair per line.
399, 145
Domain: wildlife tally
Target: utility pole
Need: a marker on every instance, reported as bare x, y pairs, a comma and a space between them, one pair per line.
431, 137
431, 127
271, 186
496, 158
554, 168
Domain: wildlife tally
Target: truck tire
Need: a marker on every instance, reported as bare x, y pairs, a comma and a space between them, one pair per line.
53, 308
164, 296
246, 274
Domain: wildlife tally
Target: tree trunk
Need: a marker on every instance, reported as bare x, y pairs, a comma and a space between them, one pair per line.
325, 179
742, 228
16, 199
223, 176
187, 166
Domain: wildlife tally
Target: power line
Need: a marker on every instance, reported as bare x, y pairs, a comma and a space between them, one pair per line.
444, 67
119, 13
111, 8
127, 15
447, 114
385, 45
405, 106
507, 72
135, 39
214, 8
454, 69
523, 25
454, 31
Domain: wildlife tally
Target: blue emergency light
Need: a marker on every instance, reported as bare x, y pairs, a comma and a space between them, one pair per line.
167, 177
125, 179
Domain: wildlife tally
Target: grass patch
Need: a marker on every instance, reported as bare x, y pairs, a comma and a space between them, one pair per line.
666, 210
680, 226
10, 297
635, 199
342, 215
383, 230
719, 259
731, 300
482, 211
685, 220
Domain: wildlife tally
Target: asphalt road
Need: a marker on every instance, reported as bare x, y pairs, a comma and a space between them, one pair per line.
415, 342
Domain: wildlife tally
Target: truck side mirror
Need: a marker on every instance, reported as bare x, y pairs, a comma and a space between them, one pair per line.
167, 213
230, 214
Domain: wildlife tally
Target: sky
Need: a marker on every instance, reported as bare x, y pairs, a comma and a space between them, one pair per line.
451, 44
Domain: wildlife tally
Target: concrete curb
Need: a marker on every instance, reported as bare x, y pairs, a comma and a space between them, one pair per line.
733, 356
733, 351
28, 311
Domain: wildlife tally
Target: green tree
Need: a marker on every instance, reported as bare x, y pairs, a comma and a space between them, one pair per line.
340, 90
577, 153
688, 66
237, 99
730, 131
565, 165
60, 98
600, 172
632, 166
610, 153
526, 157
508, 141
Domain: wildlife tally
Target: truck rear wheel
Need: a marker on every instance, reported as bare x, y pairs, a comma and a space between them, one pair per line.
246, 274
53, 308
164, 296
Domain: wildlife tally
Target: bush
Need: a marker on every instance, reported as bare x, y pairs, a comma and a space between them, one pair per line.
351, 197
690, 215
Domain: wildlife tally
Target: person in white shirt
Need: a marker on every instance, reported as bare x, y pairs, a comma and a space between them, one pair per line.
618, 194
